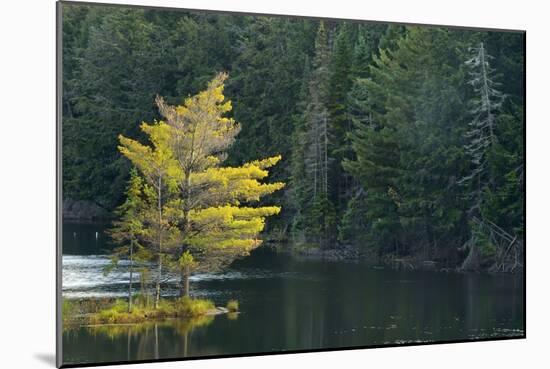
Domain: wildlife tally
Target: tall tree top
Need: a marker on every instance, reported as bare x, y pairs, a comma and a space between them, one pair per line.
201, 133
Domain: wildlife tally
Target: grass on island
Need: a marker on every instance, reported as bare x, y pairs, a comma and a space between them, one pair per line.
115, 311
69, 310
184, 307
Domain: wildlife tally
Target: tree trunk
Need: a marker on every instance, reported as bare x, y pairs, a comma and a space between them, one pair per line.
159, 275
185, 272
185, 281
486, 97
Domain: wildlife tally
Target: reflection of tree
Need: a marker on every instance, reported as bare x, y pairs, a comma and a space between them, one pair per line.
181, 326
148, 337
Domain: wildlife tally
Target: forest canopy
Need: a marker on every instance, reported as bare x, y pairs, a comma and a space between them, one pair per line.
392, 141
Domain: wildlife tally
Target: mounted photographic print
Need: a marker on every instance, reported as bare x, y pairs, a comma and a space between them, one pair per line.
240, 184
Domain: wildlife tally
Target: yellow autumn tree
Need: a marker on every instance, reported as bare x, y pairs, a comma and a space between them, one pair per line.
214, 208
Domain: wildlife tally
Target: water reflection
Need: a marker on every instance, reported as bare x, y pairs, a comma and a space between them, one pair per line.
142, 341
85, 238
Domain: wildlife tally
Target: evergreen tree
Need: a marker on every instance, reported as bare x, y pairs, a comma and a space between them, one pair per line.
128, 229
204, 213
340, 124
406, 145
317, 209
362, 57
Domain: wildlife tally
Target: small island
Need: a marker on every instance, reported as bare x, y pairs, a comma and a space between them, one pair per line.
87, 312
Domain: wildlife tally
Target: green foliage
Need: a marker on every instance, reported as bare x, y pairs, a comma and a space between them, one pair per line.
232, 305
368, 124
115, 69
310, 176
187, 260
410, 119
68, 310
505, 198
129, 226
486, 247
354, 222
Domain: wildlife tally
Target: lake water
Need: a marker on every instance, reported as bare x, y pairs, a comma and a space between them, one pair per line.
289, 304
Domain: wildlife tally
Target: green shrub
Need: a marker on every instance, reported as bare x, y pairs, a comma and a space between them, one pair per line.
189, 307
232, 305
487, 248
68, 310
117, 313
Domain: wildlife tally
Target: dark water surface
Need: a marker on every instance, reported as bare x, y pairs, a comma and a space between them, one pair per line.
289, 304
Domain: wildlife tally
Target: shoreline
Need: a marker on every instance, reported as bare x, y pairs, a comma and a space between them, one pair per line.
410, 263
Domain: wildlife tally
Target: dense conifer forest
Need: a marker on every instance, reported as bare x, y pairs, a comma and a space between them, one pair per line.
396, 142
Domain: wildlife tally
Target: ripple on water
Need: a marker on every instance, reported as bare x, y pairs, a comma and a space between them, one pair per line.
84, 276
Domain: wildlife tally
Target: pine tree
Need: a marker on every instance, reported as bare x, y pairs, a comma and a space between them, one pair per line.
128, 229
407, 119
213, 221
353, 219
362, 57
375, 144
316, 207
340, 123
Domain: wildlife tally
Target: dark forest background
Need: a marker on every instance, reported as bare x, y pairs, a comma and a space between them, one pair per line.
382, 128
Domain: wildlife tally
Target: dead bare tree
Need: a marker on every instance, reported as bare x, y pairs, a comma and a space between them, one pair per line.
480, 138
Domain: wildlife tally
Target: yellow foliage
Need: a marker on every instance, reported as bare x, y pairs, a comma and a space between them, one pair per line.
229, 213
157, 163
200, 131
187, 260
207, 206
265, 163
229, 226
234, 185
